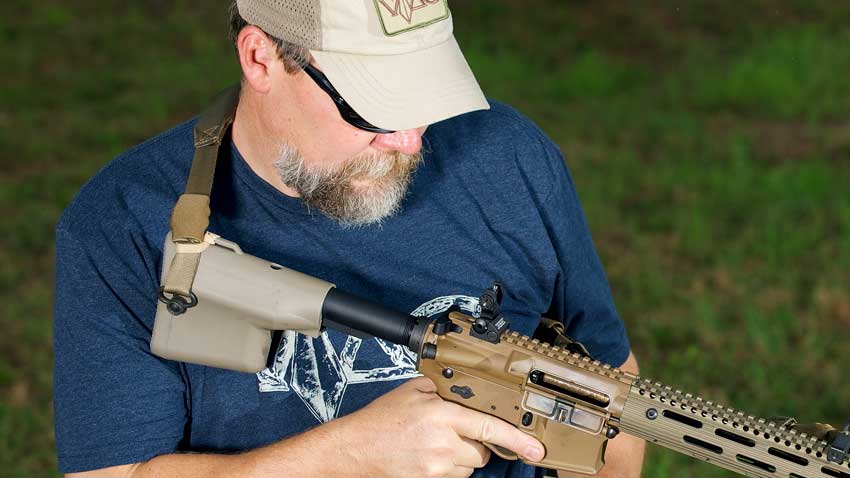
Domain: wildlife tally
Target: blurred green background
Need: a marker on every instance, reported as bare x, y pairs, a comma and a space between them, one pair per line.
709, 140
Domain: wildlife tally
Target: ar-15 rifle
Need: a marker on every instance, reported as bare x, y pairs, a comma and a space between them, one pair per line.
551, 389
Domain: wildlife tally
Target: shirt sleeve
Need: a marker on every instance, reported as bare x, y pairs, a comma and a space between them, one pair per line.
582, 296
115, 403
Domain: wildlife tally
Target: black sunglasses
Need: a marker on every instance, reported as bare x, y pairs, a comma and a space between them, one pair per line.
345, 110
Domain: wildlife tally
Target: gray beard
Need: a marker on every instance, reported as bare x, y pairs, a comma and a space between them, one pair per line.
365, 189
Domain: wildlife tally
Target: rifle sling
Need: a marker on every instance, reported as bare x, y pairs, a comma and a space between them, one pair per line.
553, 332
190, 216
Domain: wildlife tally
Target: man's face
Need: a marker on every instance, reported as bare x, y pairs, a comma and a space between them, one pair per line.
354, 176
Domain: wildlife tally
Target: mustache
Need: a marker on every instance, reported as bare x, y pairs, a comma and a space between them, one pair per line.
376, 167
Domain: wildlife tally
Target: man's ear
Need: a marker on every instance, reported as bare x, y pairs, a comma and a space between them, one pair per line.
258, 58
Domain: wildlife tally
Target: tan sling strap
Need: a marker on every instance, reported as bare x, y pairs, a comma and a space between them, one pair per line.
553, 332
191, 214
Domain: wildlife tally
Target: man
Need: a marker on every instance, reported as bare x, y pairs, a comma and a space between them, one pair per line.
330, 171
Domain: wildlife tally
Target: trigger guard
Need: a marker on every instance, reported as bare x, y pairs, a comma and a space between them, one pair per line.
502, 452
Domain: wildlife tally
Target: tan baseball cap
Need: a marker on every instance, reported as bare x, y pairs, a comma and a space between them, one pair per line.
395, 62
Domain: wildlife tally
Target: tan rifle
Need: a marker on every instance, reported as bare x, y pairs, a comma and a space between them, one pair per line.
548, 388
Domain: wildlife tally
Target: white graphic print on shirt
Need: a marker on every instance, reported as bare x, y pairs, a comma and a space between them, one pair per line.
319, 374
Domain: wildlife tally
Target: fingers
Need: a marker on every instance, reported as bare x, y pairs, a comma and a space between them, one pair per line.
470, 453
484, 428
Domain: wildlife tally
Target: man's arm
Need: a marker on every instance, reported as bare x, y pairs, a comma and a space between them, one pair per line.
624, 455
408, 433
279, 459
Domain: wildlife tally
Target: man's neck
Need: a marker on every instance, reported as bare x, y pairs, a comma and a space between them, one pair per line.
255, 145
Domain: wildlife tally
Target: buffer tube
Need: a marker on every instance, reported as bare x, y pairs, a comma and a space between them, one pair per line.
362, 318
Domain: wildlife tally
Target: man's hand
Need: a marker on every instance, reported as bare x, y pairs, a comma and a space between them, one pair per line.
412, 432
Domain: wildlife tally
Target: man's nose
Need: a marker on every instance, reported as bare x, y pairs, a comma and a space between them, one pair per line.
408, 141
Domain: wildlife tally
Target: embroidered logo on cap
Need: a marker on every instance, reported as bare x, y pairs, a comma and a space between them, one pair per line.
399, 16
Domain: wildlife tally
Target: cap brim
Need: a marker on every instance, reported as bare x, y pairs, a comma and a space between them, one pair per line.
406, 91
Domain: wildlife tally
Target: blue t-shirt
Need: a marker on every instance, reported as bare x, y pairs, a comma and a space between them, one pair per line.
492, 201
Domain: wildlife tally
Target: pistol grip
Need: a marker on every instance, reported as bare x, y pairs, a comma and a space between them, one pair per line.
501, 451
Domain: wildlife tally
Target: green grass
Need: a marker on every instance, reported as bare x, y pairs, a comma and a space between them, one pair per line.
710, 142
787, 75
